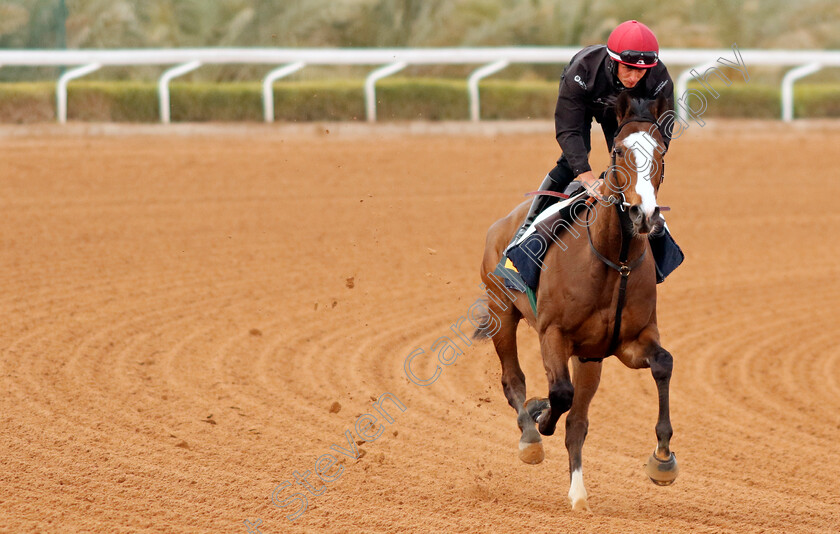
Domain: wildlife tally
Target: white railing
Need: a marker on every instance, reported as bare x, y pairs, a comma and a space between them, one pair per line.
370, 86
472, 85
787, 87
389, 61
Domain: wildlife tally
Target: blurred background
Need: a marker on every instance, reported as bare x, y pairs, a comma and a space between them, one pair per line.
378, 23
805, 24
106, 24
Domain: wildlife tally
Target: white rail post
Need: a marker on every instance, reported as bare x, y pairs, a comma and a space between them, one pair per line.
370, 86
472, 85
61, 88
681, 86
271, 77
163, 86
787, 87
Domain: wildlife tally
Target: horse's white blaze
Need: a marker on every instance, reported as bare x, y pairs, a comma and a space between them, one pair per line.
643, 145
577, 492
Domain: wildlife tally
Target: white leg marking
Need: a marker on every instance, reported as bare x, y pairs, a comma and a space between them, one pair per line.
577, 493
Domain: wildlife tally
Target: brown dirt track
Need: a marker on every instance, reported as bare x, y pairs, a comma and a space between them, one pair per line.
151, 281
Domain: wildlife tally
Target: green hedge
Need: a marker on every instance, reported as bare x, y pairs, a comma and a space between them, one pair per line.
27, 102
744, 100
398, 99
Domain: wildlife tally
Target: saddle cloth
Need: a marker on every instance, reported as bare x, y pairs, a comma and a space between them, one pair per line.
522, 263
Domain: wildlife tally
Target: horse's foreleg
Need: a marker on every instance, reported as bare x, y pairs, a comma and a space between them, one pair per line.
513, 384
661, 364
662, 466
586, 377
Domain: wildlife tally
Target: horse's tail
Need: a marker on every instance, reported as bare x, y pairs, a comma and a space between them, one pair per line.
483, 332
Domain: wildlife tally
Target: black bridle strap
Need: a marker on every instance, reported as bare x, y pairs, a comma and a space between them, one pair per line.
624, 269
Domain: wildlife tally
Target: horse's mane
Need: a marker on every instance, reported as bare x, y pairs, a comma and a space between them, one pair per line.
640, 110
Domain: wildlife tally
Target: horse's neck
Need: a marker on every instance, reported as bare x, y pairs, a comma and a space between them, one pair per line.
606, 235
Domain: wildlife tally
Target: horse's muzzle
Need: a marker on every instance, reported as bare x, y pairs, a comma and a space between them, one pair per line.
643, 224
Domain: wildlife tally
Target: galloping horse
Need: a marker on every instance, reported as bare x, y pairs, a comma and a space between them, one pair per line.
584, 293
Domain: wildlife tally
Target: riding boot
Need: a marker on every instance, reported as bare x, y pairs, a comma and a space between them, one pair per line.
539, 203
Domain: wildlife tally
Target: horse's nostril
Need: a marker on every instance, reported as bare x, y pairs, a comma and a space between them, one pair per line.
636, 212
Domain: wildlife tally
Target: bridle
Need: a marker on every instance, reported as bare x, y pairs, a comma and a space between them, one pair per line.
620, 201
623, 267
614, 154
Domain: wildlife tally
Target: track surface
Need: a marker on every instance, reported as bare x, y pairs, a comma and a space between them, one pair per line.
153, 284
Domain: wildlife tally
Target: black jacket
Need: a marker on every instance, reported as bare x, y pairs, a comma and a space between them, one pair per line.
588, 89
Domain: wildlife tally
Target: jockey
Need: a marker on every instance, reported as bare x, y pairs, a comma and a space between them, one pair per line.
589, 86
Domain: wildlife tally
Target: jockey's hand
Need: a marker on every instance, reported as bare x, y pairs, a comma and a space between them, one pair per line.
658, 229
589, 182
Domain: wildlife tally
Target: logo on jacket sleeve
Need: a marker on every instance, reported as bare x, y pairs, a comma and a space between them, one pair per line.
580, 82
659, 88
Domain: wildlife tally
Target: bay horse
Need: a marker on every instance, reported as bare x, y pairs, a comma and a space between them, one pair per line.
596, 298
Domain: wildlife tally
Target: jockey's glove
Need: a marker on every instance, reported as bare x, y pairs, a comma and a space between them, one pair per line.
658, 229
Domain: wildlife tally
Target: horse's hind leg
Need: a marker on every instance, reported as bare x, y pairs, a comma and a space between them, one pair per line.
513, 383
586, 377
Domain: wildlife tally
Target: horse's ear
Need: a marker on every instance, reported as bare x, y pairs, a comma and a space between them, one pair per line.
622, 106
659, 106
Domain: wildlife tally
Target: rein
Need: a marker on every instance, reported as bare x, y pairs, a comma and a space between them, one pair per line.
565, 197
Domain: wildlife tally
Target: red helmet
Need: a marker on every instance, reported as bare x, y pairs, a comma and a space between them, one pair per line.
634, 44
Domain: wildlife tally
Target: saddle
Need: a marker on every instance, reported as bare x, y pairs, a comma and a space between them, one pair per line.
554, 225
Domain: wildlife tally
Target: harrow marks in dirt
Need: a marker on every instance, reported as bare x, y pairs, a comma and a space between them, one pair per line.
178, 324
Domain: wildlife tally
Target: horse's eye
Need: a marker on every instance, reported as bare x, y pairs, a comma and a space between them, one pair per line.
619, 153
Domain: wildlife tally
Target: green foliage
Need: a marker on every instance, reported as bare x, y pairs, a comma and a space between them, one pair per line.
518, 100
27, 102
96, 24
112, 102
31, 24
817, 101
337, 100
422, 99
743, 101
409, 23
764, 102
218, 102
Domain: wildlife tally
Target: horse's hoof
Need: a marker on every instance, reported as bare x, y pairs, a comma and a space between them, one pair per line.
662, 472
537, 408
580, 505
531, 453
